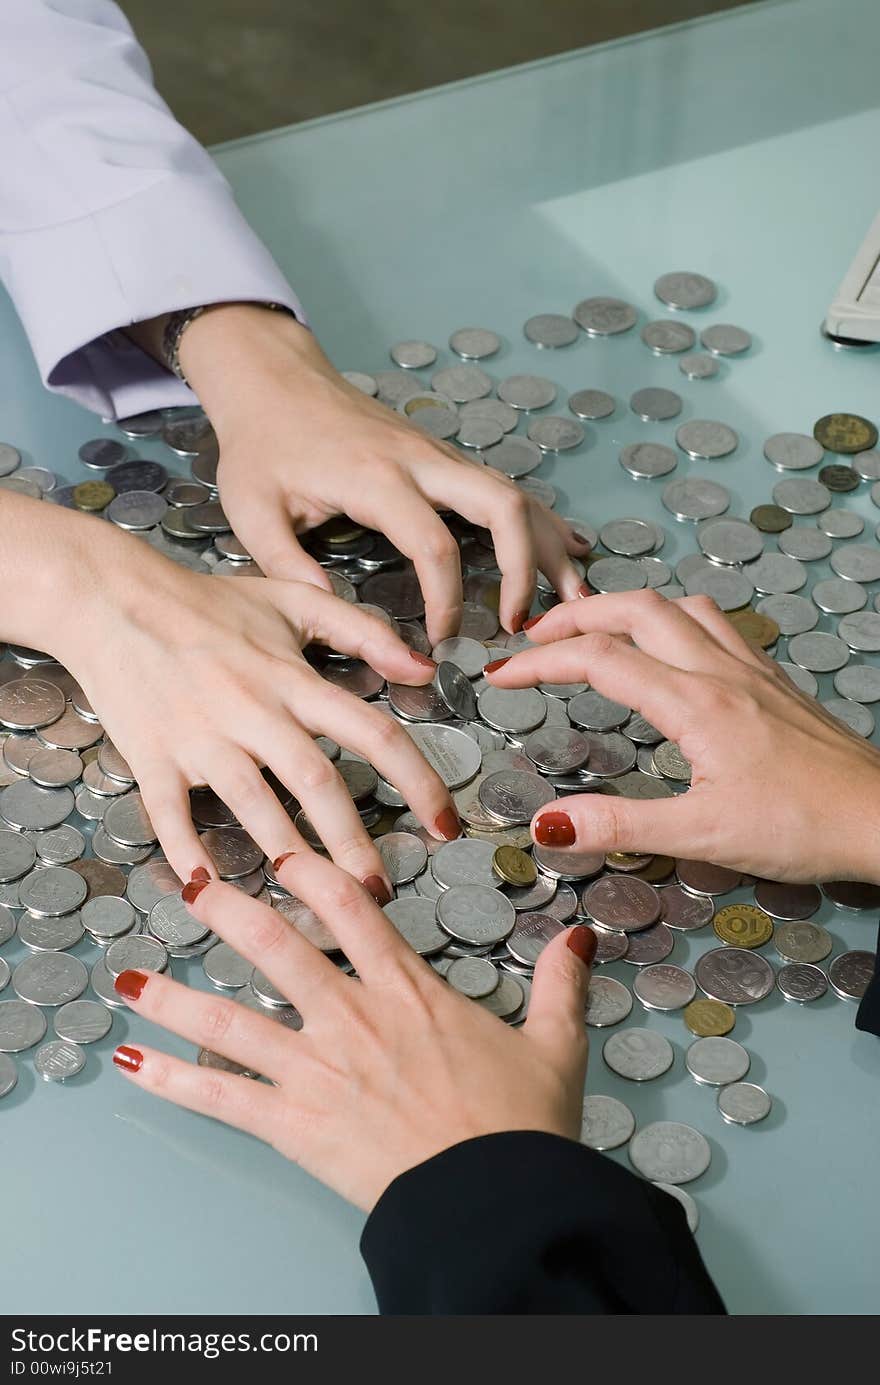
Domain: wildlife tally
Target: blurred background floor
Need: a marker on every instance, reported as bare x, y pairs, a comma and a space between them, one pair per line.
234, 67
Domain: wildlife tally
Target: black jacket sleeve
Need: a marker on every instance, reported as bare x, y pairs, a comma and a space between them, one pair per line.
868, 1017
524, 1222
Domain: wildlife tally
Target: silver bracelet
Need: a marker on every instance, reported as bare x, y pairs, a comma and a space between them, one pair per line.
179, 321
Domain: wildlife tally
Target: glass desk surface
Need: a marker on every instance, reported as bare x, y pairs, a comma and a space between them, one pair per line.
740, 146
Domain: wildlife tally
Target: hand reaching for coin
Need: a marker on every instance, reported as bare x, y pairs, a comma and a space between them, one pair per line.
200, 680
299, 444
388, 1069
770, 769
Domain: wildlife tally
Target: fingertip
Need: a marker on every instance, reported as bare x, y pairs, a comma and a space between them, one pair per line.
582, 941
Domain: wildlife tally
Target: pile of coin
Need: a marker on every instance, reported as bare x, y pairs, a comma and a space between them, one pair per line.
79, 866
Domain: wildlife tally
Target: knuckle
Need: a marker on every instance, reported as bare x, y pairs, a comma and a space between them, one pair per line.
345, 896
317, 772
615, 819
244, 788
439, 546
514, 506
268, 935
216, 1022
385, 735
599, 645
212, 1091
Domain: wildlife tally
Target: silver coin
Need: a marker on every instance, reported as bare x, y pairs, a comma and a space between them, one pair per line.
507, 1000
724, 340
456, 691
734, 975
127, 822
789, 903
729, 541
102, 453
21, 485
438, 420
610, 947
794, 615
404, 856
474, 977
563, 905
17, 855
52, 890
82, 1022
608, 1002
413, 355
801, 677
666, 337
557, 749
617, 575
551, 330
527, 392
640, 1055
695, 498
857, 562
503, 414
729, 589
531, 934
691, 1210
555, 433
628, 537
611, 754
604, 317
840, 524
29, 703
621, 903
662, 986
515, 710
512, 797
474, 343
685, 290
476, 914
417, 704
225, 968
466, 861
809, 545
59, 1060
470, 655
5, 973
233, 851
649, 946
683, 911
698, 366
592, 404
139, 510
867, 464
606, 1123
144, 425
513, 456
10, 458
173, 925
8, 1070
479, 432
53, 769
7, 924
814, 651
801, 982
850, 974
49, 978
861, 631
858, 682
107, 917
103, 984
775, 574
655, 405
538, 895
648, 459
462, 383
706, 438
451, 752
668, 1152
597, 713
801, 496
135, 953
743, 1103
793, 451
21, 1026
837, 596
715, 1061
567, 864
50, 934
365, 383
415, 920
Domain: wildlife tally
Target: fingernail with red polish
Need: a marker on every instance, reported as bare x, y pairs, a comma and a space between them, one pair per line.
447, 825
518, 621
532, 620
585, 589
583, 942
130, 984
422, 659
579, 538
129, 1059
378, 889
279, 860
193, 889
554, 829
496, 664
200, 873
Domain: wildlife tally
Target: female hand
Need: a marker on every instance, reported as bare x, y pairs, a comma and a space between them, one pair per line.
201, 679
299, 444
779, 788
388, 1070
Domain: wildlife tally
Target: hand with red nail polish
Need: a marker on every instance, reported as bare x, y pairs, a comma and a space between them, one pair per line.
384, 1073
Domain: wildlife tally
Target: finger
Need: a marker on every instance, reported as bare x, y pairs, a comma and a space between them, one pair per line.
712, 619
598, 822
384, 742
365, 935
615, 668
559, 997
421, 536
266, 530
554, 541
166, 799
323, 618
210, 1021
238, 783
265, 937
237, 1101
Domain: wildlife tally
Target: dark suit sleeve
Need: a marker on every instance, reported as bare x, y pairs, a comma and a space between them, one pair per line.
868, 1017
524, 1222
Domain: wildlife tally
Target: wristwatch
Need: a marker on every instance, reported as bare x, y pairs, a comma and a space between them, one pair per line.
177, 323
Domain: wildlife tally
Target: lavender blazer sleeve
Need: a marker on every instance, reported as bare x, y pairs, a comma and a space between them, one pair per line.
110, 212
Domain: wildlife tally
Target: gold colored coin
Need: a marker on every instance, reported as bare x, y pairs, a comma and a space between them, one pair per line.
846, 433
770, 519
757, 629
520, 837
657, 869
93, 496
709, 1018
385, 823
743, 925
514, 866
339, 529
627, 860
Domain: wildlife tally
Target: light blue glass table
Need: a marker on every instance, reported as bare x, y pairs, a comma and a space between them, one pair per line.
743, 146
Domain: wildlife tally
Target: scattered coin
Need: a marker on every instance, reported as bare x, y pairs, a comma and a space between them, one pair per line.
709, 1017
669, 1152
743, 1103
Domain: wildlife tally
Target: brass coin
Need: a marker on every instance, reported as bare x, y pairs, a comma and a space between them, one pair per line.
627, 860
770, 519
101, 878
709, 1018
743, 925
339, 529
839, 477
514, 866
93, 496
845, 433
757, 629
658, 868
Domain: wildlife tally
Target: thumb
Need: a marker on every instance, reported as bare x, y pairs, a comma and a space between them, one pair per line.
559, 997
602, 823
267, 533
